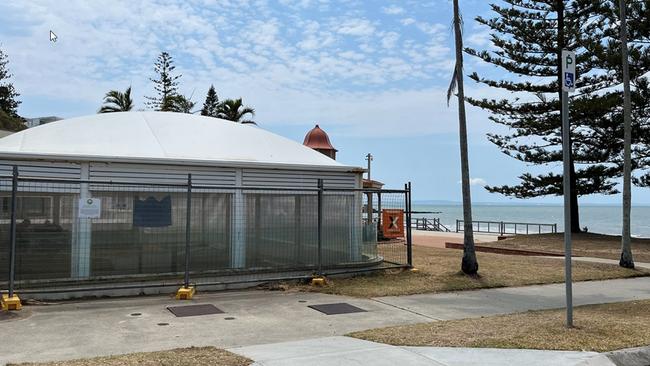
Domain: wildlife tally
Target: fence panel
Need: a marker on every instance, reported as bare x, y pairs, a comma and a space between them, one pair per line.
5, 217
108, 234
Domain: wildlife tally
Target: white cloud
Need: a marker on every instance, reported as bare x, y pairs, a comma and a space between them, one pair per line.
477, 182
392, 10
478, 39
390, 40
351, 55
342, 68
431, 28
356, 27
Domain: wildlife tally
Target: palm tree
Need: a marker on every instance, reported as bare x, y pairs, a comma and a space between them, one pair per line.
469, 264
626, 248
115, 101
233, 110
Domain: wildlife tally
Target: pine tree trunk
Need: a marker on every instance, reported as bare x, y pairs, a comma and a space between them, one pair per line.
575, 209
626, 247
469, 263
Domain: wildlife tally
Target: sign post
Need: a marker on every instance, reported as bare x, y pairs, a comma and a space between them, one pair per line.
568, 86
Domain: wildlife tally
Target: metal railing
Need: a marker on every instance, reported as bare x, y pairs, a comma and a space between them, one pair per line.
142, 235
507, 228
426, 224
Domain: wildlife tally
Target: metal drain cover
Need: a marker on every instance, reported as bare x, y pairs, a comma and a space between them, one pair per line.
194, 310
338, 308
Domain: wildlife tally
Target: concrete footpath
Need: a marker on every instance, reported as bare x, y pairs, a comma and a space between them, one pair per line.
507, 300
252, 318
603, 260
351, 351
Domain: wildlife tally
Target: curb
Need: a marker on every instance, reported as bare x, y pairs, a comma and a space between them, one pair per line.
639, 356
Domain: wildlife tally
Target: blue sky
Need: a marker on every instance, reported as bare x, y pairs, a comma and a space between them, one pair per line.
373, 74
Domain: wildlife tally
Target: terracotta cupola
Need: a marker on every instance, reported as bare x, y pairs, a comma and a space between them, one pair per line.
318, 140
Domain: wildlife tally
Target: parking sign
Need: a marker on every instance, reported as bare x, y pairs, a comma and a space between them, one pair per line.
568, 71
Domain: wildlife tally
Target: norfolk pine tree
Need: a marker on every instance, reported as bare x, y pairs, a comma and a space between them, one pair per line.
166, 84
9, 118
211, 104
528, 36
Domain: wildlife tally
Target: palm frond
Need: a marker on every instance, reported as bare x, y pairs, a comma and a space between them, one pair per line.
108, 109
115, 101
452, 85
457, 73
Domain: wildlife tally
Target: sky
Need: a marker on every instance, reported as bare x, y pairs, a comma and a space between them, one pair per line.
372, 74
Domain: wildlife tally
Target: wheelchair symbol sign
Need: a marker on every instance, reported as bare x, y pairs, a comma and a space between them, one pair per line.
569, 82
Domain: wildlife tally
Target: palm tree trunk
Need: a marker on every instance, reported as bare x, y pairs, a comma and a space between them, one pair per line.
469, 264
626, 246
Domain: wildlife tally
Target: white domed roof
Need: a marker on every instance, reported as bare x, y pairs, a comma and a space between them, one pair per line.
161, 137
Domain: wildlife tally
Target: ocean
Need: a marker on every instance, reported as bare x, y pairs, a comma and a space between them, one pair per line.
604, 219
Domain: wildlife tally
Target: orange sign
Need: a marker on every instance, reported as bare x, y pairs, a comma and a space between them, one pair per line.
393, 223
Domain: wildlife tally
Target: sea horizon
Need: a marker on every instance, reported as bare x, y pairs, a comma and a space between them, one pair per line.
597, 218
498, 203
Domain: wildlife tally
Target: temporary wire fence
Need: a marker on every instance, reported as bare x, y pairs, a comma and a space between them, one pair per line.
63, 235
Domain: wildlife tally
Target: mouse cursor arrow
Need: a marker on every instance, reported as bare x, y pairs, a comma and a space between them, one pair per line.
53, 37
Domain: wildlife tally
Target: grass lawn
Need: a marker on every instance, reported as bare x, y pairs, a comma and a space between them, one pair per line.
584, 244
200, 356
599, 328
439, 270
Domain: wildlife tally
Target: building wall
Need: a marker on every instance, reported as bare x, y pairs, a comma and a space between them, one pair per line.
269, 221
177, 174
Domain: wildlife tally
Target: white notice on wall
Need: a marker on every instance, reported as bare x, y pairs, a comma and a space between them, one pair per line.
90, 208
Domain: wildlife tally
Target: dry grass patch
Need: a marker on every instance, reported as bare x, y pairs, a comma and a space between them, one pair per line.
439, 270
599, 328
200, 356
584, 244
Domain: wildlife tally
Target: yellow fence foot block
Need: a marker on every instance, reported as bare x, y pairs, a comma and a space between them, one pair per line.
415, 270
11, 303
185, 293
318, 281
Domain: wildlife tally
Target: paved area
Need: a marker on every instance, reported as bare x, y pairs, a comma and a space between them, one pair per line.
350, 351
436, 239
467, 304
104, 327
603, 260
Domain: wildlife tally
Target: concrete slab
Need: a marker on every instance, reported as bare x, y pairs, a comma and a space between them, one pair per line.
350, 351
639, 356
467, 304
332, 351
105, 327
607, 261
499, 357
